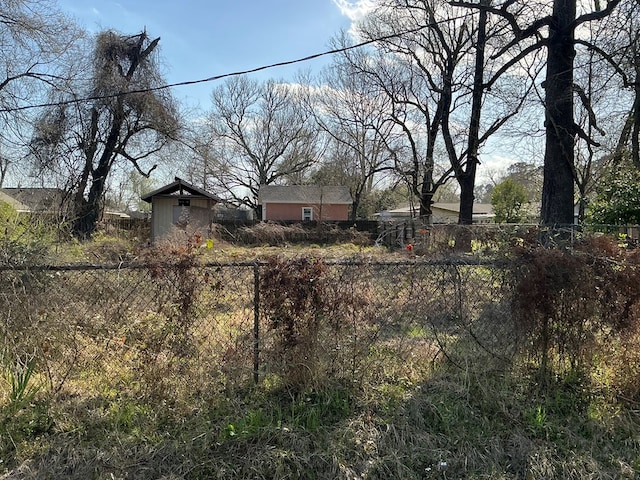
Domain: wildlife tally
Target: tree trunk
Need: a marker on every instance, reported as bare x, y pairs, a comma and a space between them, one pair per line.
558, 183
89, 211
357, 197
426, 201
465, 217
4, 166
467, 177
635, 139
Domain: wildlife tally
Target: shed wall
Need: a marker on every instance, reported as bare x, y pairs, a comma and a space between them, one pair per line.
162, 220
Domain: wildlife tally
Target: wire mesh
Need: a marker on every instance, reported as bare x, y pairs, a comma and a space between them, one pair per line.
169, 331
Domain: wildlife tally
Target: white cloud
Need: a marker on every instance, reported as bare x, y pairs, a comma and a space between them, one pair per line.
493, 166
355, 9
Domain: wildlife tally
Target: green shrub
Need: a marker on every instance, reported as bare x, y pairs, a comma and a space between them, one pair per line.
616, 200
22, 240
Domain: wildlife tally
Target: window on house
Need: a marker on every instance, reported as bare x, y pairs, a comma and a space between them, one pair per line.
184, 202
307, 214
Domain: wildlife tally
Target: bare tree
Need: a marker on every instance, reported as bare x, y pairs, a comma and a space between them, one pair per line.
124, 120
260, 135
599, 95
441, 50
620, 41
553, 30
413, 107
362, 139
37, 43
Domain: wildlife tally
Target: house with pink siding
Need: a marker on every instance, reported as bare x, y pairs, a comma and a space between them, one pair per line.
304, 203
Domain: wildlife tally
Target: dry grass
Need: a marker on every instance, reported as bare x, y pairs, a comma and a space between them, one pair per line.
393, 431
418, 374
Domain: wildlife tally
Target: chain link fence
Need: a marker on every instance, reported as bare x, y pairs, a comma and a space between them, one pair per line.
200, 330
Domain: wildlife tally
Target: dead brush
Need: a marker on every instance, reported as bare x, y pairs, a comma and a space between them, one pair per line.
268, 233
173, 265
572, 306
293, 295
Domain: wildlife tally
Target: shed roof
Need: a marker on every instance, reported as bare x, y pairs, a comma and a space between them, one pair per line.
179, 187
312, 194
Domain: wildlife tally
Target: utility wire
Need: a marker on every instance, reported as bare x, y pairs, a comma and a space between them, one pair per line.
232, 74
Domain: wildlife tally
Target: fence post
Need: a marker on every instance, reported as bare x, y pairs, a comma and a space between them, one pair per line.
256, 322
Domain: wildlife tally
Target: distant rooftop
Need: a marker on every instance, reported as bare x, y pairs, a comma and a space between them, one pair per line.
36, 199
312, 194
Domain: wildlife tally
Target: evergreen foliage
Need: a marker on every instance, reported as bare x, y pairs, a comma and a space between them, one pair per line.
617, 200
508, 199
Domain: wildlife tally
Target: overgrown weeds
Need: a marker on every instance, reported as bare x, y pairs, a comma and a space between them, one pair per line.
269, 233
575, 308
294, 297
23, 240
364, 369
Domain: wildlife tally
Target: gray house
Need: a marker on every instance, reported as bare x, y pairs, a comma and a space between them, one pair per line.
47, 201
180, 204
441, 213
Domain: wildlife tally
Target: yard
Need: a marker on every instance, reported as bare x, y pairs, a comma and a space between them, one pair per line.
341, 362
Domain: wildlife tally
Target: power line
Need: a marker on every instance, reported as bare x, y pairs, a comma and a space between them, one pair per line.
232, 74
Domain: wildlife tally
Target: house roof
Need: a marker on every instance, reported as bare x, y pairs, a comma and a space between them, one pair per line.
35, 199
453, 208
312, 194
478, 208
20, 207
179, 187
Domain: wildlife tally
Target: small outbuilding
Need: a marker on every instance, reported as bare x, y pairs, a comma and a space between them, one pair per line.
304, 203
180, 204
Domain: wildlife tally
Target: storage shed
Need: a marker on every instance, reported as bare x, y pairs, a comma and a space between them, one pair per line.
180, 204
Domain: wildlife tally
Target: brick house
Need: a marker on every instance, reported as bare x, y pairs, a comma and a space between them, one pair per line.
304, 203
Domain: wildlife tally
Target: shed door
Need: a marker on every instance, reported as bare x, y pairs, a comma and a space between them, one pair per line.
181, 215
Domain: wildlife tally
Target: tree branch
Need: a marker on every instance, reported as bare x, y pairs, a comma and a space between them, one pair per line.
597, 15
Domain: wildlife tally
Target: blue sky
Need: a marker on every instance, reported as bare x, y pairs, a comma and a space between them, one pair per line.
205, 38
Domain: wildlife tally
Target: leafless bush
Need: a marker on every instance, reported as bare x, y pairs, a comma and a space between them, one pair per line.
331, 233
267, 233
293, 296
571, 305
